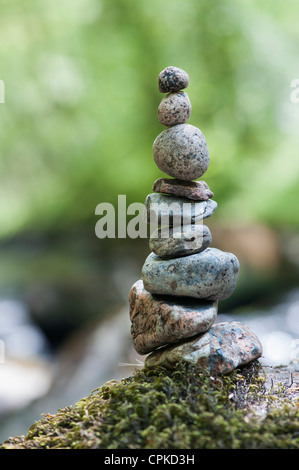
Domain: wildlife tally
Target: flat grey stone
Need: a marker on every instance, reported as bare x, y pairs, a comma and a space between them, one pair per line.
180, 241
211, 274
172, 210
175, 108
160, 320
197, 190
172, 79
181, 151
225, 347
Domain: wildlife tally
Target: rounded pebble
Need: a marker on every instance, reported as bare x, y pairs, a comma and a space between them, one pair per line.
165, 209
211, 274
175, 108
172, 79
181, 151
157, 321
181, 241
222, 349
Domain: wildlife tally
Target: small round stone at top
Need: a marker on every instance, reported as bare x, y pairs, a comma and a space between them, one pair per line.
173, 79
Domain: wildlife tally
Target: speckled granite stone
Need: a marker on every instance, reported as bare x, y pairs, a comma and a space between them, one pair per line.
175, 108
181, 151
211, 274
197, 190
172, 79
225, 347
172, 210
160, 320
180, 241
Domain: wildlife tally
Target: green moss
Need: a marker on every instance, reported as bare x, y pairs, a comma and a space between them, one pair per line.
180, 409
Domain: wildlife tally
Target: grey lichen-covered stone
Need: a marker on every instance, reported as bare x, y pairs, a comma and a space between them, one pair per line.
160, 320
211, 274
171, 210
180, 241
225, 347
175, 108
172, 79
181, 151
197, 190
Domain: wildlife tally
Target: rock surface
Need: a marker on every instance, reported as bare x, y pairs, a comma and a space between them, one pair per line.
172, 79
211, 274
175, 211
159, 320
182, 152
180, 241
222, 349
175, 108
197, 190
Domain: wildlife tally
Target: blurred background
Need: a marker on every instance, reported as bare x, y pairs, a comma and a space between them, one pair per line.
77, 128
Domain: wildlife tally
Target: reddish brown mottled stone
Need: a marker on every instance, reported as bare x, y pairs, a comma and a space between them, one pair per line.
225, 347
197, 190
160, 320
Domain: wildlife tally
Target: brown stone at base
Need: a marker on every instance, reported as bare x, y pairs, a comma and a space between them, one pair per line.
225, 347
158, 320
197, 190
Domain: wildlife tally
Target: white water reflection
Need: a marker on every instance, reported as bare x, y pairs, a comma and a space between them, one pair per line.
21, 336
25, 371
293, 317
277, 348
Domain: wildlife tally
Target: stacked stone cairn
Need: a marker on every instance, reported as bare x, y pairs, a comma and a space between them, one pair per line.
174, 306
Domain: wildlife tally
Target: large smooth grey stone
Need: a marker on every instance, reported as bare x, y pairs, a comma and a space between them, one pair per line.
211, 274
181, 241
159, 320
222, 349
182, 152
163, 209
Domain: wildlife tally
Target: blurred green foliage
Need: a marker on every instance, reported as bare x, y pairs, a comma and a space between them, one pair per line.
81, 98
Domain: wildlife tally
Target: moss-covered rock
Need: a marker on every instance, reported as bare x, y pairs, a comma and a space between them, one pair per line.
185, 408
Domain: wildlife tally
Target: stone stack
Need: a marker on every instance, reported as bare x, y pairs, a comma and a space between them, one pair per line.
174, 306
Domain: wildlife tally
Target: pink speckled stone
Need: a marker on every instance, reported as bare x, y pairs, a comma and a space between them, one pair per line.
160, 320
175, 108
